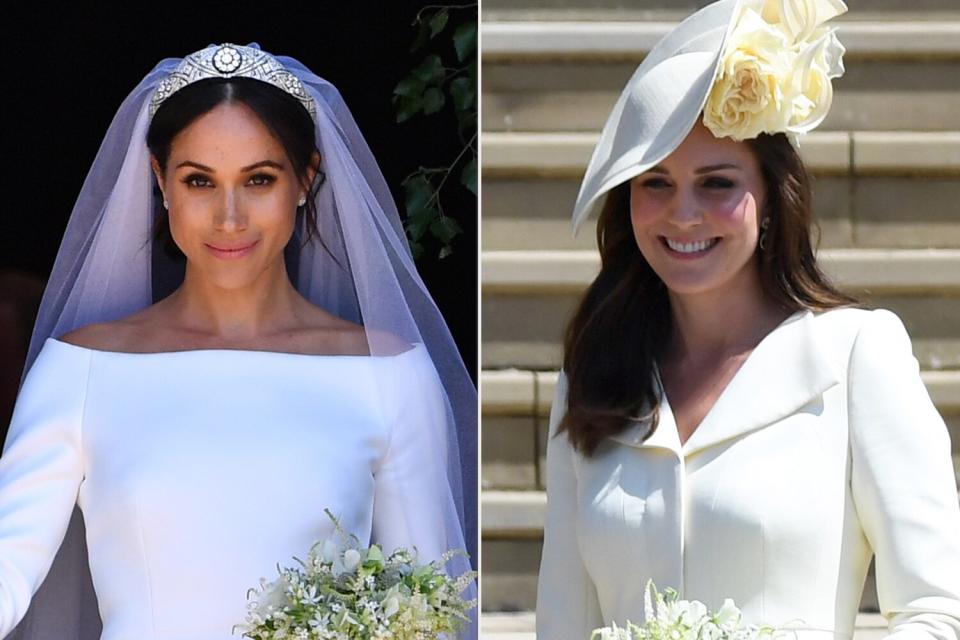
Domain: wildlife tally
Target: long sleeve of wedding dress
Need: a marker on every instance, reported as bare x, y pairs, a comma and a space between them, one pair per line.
40, 474
412, 493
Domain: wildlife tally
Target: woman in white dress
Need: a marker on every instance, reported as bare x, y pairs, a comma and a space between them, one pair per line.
299, 365
726, 423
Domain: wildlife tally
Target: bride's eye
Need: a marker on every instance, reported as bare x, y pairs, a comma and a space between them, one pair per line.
197, 180
262, 179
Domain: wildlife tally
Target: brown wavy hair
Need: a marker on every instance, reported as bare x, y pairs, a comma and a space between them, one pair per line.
624, 318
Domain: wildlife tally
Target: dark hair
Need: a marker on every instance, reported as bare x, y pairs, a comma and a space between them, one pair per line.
283, 115
624, 319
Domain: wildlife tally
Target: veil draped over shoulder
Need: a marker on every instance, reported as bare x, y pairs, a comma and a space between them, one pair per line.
365, 274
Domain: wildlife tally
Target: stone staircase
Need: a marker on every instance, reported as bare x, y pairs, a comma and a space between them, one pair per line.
887, 193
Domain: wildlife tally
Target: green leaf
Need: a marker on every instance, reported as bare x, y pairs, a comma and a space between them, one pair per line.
468, 177
408, 107
433, 100
409, 87
445, 229
418, 223
464, 94
423, 30
438, 22
430, 69
465, 40
418, 191
472, 72
416, 249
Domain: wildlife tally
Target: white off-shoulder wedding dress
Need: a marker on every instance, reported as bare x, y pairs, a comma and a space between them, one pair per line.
199, 471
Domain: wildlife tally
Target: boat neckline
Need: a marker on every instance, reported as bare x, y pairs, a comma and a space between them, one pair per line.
415, 346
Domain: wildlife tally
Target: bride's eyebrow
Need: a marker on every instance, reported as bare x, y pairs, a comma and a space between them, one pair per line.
256, 165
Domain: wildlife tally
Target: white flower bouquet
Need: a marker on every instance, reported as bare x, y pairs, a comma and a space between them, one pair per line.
668, 618
347, 592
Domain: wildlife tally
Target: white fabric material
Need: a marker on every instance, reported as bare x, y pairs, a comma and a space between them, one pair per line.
659, 105
823, 450
106, 269
194, 489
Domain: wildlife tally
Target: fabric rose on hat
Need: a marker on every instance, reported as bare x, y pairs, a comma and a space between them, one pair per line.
775, 70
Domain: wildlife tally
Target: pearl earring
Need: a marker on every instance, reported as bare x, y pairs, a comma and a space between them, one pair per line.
302, 201
166, 205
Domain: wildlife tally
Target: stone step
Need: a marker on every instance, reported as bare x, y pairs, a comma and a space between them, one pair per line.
516, 405
514, 154
552, 10
882, 93
630, 40
880, 271
528, 297
519, 392
530, 213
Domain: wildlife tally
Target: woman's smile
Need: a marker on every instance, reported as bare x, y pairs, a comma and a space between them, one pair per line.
688, 249
227, 251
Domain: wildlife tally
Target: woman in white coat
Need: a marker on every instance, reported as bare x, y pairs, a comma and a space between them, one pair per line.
727, 424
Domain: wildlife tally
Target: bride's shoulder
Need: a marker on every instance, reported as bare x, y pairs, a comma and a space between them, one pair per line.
118, 335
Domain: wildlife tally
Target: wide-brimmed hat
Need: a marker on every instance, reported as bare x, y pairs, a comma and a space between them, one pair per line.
750, 66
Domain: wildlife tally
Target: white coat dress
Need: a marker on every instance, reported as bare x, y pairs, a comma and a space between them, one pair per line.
823, 450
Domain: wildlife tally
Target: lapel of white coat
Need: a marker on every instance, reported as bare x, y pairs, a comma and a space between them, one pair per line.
787, 370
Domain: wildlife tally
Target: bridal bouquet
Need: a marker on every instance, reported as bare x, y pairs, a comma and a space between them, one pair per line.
346, 592
671, 619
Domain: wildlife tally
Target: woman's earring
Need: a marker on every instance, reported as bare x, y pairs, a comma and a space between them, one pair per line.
763, 233
166, 205
302, 201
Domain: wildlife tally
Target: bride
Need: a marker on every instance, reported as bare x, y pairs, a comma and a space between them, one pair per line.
298, 365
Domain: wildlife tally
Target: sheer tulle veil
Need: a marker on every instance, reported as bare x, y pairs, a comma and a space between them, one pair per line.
106, 269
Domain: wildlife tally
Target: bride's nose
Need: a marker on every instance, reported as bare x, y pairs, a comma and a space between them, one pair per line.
230, 215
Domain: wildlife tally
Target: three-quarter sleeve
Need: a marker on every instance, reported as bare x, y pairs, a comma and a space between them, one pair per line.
567, 604
903, 484
40, 474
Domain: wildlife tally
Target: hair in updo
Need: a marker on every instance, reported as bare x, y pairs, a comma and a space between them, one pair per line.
283, 115
624, 320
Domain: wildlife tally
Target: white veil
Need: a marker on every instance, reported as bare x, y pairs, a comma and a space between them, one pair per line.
367, 276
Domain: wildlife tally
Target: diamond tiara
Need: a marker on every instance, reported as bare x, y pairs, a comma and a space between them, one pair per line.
231, 61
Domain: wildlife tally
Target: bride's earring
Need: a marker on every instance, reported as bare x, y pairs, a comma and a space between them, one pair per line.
763, 233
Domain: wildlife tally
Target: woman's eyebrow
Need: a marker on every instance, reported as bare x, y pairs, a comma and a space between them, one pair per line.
256, 165
716, 167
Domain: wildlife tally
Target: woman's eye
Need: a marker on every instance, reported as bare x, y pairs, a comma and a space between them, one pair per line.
197, 180
718, 183
655, 183
261, 179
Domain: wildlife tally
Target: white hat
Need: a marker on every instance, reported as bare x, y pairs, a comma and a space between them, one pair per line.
776, 49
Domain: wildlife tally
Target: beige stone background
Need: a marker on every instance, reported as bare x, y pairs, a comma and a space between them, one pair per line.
887, 193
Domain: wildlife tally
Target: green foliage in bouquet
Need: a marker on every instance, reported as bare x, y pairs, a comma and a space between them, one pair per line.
343, 591
668, 618
446, 76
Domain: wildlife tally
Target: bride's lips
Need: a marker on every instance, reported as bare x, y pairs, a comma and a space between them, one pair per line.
227, 252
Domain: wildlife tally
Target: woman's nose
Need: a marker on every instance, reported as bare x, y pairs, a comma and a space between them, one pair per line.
685, 209
230, 215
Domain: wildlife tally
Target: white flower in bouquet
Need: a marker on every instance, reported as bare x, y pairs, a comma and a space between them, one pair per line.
668, 618
343, 591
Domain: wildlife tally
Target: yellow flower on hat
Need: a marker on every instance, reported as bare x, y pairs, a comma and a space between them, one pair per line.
775, 71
